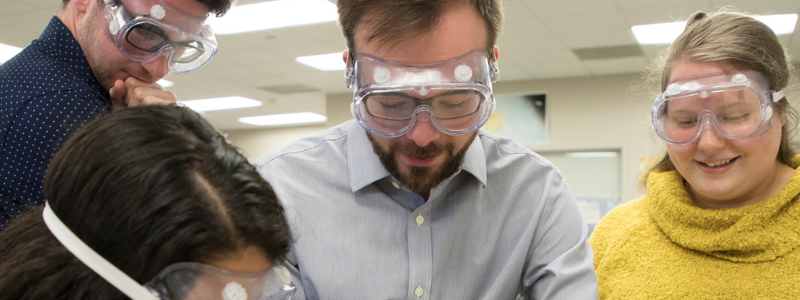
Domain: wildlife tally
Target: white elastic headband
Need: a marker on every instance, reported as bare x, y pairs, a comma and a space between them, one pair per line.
94, 261
776, 96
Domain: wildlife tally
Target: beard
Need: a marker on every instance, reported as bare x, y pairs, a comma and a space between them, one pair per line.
91, 45
418, 179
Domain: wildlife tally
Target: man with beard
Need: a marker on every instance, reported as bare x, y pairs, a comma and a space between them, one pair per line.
95, 56
410, 200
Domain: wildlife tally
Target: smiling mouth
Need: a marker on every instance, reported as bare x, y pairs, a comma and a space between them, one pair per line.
719, 163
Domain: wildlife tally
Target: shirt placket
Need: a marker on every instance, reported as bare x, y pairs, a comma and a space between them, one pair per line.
420, 253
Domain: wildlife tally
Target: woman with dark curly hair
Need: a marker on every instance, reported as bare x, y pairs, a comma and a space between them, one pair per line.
149, 203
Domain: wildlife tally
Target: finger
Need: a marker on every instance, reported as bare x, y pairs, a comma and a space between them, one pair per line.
143, 92
117, 93
153, 100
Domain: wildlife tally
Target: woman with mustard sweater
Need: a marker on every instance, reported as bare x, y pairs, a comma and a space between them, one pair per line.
721, 218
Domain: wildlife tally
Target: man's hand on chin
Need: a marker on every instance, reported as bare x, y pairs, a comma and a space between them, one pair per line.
134, 92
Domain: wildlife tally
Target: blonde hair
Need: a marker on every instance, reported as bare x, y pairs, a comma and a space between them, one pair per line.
736, 40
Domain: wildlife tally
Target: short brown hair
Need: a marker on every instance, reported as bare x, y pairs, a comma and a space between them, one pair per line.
399, 20
733, 39
216, 7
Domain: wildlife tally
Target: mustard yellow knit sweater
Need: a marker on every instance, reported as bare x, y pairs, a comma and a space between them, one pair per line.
662, 246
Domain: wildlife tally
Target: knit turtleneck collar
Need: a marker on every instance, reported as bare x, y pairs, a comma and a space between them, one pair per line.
757, 232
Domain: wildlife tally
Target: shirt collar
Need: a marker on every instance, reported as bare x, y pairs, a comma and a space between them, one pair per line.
366, 168
71, 54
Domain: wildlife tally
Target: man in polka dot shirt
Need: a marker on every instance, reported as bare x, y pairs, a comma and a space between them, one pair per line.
96, 55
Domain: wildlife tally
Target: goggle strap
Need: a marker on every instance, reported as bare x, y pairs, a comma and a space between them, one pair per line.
94, 261
494, 68
776, 96
349, 76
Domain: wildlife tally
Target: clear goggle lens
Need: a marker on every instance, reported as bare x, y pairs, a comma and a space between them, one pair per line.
453, 112
738, 106
145, 38
195, 281
389, 96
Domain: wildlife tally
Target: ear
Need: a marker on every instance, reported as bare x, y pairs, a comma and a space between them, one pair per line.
345, 54
82, 6
496, 53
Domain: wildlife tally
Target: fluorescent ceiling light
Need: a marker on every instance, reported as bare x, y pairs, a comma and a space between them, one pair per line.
7, 52
661, 33
274, 14
285, 119
592, 154
165, 83
665, 33
325, 62
780, 24
221, 103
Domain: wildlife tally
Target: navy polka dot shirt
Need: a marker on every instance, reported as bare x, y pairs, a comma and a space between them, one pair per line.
46, 92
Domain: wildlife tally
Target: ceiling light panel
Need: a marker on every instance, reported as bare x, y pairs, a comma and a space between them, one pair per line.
221, 103
665, 33
285, 119
274, 14
7, 52
324, 62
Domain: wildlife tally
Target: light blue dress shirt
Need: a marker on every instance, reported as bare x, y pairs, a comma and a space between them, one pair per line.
505, 226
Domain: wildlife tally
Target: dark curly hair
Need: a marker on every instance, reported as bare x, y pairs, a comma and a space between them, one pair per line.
144, 187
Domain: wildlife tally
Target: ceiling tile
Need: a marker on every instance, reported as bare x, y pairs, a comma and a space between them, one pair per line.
319, 79
15, 7
760, 7
570, 8
523, 29
616, 66
230, 43
510, 71
305, 48
642, 16
271, 38
16, 37
514, 11
526, 46
321, 32
556, 68
659, 4
592, 23
598, 38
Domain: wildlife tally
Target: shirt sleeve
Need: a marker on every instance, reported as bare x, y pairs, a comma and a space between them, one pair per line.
561, 261
33, 137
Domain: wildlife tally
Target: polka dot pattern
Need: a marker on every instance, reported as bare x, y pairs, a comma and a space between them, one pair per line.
47, 92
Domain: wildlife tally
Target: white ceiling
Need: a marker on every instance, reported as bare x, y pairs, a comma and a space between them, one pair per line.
536, 43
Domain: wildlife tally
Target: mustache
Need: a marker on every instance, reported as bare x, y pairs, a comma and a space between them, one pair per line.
412, 149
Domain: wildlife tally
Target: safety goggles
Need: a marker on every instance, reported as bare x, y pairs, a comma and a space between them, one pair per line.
389, 96
188, 280
187, 41
738, 105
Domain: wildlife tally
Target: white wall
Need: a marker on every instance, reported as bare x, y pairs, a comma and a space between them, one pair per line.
587, 113
596, 113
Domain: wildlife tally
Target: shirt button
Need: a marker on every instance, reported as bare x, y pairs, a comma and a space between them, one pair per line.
418, 291
419, 220
397, 186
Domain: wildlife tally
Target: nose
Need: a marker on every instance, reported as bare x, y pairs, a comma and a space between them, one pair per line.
423, 132
157, 68
710, 140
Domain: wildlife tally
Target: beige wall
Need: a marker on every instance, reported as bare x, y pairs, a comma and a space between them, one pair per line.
588, 113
